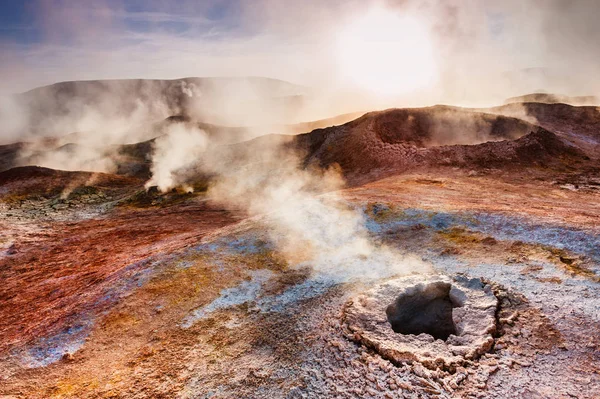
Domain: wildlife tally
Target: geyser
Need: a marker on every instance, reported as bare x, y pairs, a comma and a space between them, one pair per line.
439, 321
426, 309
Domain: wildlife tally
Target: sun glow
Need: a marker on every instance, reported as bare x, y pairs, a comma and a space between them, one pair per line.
386, 53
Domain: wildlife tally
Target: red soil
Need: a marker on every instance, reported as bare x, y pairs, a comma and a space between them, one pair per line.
35, 300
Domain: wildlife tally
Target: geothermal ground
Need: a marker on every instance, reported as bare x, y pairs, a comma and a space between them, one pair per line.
112, 291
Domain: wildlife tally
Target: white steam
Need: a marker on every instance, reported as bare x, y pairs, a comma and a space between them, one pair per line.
70, 157
306, 218
308, 227
178, 148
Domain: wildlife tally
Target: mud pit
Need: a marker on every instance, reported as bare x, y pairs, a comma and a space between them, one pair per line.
439, 321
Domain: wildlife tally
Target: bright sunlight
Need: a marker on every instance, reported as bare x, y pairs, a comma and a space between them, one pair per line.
386, 53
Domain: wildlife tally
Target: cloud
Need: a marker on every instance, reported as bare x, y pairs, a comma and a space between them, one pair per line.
481, 47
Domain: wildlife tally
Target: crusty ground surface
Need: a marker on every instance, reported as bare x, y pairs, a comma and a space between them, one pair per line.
187, 300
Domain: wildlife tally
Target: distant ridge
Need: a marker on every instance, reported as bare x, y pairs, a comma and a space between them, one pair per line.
548, 98
202, 81
65, 107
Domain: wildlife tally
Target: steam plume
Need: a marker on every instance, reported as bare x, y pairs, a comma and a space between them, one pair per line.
175, 150
301, 208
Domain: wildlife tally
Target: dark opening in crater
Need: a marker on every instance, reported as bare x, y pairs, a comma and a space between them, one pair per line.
423, 309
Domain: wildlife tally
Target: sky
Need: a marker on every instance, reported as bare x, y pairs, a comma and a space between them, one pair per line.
475, 45
51, 40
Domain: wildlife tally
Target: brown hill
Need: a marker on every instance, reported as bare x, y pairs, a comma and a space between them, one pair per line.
402, 139
33, 182
398, 140
26, 173
540, 148
578, 125
549, 98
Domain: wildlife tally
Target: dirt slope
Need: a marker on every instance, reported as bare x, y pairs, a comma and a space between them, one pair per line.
398, 140
579, 125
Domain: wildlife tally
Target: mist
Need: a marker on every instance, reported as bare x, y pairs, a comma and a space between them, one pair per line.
178, 148
481, 54
306, 219
527, 46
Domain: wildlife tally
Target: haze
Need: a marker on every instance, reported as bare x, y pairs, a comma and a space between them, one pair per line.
393, 52
299, 199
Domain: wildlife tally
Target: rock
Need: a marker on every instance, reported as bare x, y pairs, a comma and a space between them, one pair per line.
12, 250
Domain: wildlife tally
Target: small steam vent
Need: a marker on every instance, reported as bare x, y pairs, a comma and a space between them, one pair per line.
438, 321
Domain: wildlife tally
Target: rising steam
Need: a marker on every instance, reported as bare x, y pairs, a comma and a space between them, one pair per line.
306, 218
179, 147
320, 230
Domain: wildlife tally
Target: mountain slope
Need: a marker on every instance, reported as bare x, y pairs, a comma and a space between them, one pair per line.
578, 125
397, 140
74, 106
438, 136
547, 98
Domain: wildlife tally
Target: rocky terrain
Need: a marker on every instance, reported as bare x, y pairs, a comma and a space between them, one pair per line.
396, 140
484, 220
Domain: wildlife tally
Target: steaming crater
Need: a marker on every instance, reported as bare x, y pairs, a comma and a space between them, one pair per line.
439, 321
443, 125
425, 309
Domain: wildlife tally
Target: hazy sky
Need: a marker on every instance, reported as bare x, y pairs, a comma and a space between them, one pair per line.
44, 41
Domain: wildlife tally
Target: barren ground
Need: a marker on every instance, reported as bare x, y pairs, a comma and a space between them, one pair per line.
184, 299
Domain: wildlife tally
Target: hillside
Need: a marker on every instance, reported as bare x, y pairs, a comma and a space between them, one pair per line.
72, 106
399, 140
548, 98
578, 125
